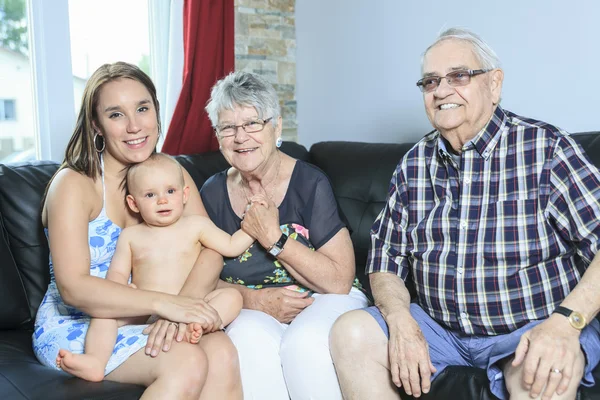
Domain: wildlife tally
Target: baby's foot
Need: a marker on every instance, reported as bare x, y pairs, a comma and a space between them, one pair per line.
81, 365
193, 333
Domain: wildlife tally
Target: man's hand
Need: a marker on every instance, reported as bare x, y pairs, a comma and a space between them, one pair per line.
410, 364
551, 346
280, 303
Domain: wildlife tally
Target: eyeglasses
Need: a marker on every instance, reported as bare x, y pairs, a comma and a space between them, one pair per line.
248, 127
455, 78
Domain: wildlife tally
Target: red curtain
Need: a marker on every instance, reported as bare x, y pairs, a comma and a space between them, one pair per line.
208, 39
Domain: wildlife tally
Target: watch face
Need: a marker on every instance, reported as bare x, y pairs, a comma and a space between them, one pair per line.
275, 251
577, 320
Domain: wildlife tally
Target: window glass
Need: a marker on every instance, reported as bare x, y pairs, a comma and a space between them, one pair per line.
105, 32
17, 132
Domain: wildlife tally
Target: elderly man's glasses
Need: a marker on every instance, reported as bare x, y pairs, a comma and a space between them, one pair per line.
248, 127
455, 78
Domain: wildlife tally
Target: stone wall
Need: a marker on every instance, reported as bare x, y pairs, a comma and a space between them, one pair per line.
265, 43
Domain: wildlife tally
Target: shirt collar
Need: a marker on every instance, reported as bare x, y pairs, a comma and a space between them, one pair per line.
484, 142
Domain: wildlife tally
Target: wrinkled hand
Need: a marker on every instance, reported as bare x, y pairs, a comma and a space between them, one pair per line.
553, 344
261, 221
410, 364
280, 303
161, 334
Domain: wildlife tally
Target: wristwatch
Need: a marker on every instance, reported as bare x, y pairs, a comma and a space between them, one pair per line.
576, 319
277, 248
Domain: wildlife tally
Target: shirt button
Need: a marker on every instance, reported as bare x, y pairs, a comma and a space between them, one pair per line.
463, 225
464, 315
467, 181
460, 270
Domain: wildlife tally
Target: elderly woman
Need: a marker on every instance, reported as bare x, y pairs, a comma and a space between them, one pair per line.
297, 278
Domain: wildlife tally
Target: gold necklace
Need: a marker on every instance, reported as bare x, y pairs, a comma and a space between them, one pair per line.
274, 182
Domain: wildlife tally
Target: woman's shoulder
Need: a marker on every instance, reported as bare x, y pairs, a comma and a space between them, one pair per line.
214, 181
305, 173
69, 181
70, 191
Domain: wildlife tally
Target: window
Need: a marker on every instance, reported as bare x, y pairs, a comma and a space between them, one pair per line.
17, 130
93, 43
7, 110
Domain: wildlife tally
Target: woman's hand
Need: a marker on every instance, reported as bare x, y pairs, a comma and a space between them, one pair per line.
280, 303
261, 221
161, 334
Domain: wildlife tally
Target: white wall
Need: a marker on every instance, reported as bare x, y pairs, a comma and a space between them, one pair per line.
358, 61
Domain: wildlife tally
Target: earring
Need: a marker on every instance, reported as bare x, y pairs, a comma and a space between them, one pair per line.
278, 142
96, 145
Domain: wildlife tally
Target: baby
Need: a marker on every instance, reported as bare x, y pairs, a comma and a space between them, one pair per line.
158, 254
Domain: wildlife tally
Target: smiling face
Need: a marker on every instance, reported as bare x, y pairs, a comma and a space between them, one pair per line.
464, 110
157, 192
249, 152
127, 120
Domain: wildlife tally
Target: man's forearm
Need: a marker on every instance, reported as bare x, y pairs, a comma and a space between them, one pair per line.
585, 298
389, 292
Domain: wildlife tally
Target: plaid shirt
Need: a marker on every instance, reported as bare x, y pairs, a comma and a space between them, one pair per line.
502, 238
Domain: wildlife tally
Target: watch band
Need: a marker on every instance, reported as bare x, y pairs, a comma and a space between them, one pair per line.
576, 319
277, 247
563, 311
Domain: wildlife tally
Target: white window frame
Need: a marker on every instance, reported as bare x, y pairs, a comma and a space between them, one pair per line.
52, 73
50, 57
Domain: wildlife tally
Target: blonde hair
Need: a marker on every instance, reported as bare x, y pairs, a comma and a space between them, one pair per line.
154, 160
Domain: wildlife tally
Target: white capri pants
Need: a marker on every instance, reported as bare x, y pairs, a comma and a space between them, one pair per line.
281, 361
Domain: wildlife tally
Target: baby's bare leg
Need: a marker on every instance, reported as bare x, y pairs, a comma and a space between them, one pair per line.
228, 303
99, 343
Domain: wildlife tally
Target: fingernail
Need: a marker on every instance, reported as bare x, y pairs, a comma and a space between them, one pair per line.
154, 353
165, 347
147, 351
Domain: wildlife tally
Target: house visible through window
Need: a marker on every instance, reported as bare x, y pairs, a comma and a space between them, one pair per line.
7, 110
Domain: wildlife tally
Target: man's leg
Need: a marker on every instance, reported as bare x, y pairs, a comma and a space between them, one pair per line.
360, 352
506, 380
513, 377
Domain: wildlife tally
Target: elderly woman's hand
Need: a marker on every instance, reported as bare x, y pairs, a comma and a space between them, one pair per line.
261, 221
280, 303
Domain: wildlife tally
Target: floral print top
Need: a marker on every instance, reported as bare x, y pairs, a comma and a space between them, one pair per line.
308, 213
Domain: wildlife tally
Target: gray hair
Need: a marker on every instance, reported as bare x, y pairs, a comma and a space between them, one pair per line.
483, 52
243, 89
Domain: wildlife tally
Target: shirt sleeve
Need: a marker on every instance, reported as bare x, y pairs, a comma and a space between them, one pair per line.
389, 239
574, 198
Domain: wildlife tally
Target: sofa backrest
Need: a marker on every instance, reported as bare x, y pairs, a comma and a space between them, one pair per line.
359, 172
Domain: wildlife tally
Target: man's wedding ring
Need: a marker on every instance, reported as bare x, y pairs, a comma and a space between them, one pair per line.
556, 371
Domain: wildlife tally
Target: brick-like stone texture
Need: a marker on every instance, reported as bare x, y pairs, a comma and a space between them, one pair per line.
265, 43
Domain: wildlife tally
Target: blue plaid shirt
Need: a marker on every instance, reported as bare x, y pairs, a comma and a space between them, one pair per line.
502, 238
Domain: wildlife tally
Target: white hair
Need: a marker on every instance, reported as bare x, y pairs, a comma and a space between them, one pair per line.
243, 89
483, 52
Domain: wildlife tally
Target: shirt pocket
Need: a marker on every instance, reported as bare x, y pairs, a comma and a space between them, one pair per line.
512, 233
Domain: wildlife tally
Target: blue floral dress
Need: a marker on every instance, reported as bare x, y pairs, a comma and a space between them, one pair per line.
60, 326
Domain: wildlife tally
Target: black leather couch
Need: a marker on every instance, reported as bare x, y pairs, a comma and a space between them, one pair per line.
359, 172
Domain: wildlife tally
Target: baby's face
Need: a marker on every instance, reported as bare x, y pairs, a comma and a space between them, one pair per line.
159, 194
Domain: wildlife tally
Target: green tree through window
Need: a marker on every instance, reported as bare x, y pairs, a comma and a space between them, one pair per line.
13, 25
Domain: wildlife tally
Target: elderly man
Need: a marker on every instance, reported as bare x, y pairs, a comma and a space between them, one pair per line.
496, 219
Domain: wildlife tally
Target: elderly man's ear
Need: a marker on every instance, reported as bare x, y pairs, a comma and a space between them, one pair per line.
496, 79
